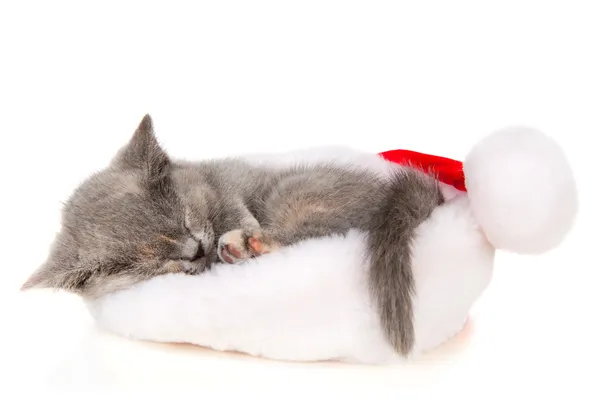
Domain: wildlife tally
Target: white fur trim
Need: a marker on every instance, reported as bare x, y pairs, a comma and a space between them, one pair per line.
522, 190
310, 302
452, 265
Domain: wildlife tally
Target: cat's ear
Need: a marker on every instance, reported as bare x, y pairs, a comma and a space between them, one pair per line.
143, 152
62, 270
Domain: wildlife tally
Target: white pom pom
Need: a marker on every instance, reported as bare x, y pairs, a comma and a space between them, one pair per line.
521, 189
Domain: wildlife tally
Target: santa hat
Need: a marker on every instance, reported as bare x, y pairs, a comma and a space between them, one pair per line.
520, 193
519, 183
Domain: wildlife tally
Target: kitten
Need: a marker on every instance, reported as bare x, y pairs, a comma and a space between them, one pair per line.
146, 215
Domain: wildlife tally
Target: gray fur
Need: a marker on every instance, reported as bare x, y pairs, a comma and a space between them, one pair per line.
407, 201
147, 215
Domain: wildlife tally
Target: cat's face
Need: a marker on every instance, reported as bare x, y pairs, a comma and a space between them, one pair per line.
126, 224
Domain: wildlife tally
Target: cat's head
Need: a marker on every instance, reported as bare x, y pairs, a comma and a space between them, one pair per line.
125, 224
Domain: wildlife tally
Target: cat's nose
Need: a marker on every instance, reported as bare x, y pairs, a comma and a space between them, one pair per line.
192, 250
199, 253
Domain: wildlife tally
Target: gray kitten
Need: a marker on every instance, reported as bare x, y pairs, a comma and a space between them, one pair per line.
147, 215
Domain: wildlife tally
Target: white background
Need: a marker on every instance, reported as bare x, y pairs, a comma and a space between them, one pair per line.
228, 77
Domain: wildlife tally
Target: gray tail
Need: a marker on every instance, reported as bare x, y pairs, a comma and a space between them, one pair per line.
409, 199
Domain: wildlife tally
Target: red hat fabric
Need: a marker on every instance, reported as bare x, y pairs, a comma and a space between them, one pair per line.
447, 170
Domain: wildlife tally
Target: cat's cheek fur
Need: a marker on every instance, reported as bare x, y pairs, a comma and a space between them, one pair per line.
311, 302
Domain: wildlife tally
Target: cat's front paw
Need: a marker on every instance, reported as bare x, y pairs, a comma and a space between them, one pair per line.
238, 245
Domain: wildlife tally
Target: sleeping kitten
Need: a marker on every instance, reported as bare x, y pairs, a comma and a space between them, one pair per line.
147, 215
